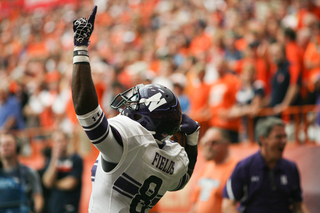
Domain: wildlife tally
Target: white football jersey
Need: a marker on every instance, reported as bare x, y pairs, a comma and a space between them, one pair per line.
143, 175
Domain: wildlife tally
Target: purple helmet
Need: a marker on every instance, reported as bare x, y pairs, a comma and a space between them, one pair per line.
154, 106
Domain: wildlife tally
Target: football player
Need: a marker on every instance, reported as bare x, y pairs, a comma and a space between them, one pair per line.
137, 163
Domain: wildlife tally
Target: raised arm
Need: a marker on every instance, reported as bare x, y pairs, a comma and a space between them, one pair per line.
85, 100
83, 91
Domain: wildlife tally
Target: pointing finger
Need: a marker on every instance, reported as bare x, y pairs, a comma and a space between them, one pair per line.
92, 15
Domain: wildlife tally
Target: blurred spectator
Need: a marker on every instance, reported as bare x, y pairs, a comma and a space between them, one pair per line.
165, 71
265, 181
249, 98
206, 197
306, 8
35, 108
312, 59
46, 153
20, 190
10, 110
179, 81
303, 39
232, 55
285, 85
294, 55
251, 56
63, 176
222, 97
201, 41
198, 92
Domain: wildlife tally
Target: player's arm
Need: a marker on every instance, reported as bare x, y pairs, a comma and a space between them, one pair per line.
85, 100
191, 128
84, 95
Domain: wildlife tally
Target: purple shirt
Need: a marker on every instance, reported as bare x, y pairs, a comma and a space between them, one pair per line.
259, 189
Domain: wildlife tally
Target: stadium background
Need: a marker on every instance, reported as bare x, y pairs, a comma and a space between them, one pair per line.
18, 15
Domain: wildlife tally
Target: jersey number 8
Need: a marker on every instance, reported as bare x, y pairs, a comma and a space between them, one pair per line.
147, 193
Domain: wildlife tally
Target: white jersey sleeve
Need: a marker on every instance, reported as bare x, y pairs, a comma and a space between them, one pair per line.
142, 176
98, 130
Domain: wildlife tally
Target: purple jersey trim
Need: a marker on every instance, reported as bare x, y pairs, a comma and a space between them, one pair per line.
122, 192
98, 131
131, 179
127, 186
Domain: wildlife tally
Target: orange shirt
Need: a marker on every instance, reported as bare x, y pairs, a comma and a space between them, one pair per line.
37, 49
70, 112
295, 59
312, 55
222, 97
209, 186
199, 44
303, 12
241, 44
199, 92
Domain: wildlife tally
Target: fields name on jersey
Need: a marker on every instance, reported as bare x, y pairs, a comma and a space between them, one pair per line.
164, 164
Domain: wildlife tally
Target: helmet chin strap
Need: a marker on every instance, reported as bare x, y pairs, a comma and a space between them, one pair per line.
159, 142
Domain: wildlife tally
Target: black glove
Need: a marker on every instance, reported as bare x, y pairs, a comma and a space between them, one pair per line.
83, 29
188, 125
191, 128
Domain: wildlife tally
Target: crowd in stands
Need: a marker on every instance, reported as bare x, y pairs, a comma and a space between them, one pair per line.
224, 59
